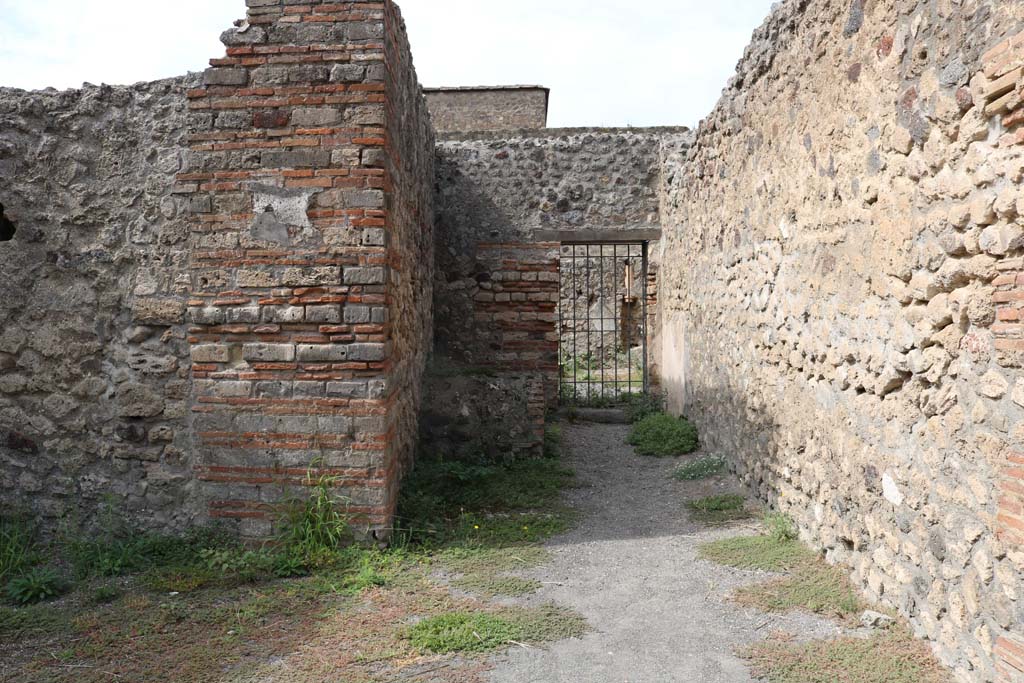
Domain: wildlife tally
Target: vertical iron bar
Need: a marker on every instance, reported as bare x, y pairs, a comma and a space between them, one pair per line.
600, 294
646, 331
628, 325
615, 318
573, 283
561, 321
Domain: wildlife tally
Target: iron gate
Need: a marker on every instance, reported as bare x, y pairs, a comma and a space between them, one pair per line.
602, 321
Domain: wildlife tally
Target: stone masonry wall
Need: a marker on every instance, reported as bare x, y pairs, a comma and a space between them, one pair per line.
839, 293
93, 356
310, 186
456, 110
502, 199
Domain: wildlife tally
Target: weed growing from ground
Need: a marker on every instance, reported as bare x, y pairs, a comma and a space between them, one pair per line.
639, 406
663, 435
463, 632
757, 552
552, 441
814, 587
700, 468
316, 525
483, 631
892, 656
718, 509
780, 527
451, 501
491, 585
35, 585
18, 547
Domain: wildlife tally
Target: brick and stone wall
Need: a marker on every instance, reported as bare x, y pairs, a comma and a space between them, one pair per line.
839, 293
221, 284
311, 247
94, 362
456, 110
504, 203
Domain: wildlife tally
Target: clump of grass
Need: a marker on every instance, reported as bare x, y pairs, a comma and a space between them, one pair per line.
552, 446
477, 559
757, 552
494, 585
814, 587
484, 631
700, 468
663, 435
780, 527
891, 656
718, 509
639, 406
463, 632
452, 501
118, 548
33, 620
316, 526
36, 585
18, 546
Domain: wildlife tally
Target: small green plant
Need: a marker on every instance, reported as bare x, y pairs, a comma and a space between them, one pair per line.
892, 656
552, 441
780, 527
639, 406
718, 509
814, 587
483, 631
18, 548
757, 552
105, 594
463, 632
317, 526
700, 469
244, 565
36, 585
663, 435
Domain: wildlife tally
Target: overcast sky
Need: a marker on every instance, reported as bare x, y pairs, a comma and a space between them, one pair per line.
607, 62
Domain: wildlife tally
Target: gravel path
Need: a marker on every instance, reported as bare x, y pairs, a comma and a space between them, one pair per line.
630, 567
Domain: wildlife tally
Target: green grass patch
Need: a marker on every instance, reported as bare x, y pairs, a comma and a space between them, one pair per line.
814, 587
22, 622
469, 559
552, 441
485, 631
718, 509
495, 585
639, 406
447, 502
19, 549
663, 435
463, 632
757, 552
892, 656
701, 468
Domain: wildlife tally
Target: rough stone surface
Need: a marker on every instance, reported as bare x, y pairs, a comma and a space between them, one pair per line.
834, 265
94, 361
487, 109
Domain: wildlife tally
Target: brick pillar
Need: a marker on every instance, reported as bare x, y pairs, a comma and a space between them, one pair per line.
291, 334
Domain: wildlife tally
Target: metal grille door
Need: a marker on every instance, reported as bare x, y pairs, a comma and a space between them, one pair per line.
602, 321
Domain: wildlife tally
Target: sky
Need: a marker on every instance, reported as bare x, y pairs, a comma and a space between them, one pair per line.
607, 62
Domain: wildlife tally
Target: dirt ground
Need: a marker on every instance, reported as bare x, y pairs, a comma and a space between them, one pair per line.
659, 613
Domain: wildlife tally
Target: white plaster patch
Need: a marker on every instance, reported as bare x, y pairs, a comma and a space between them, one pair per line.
890, 490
